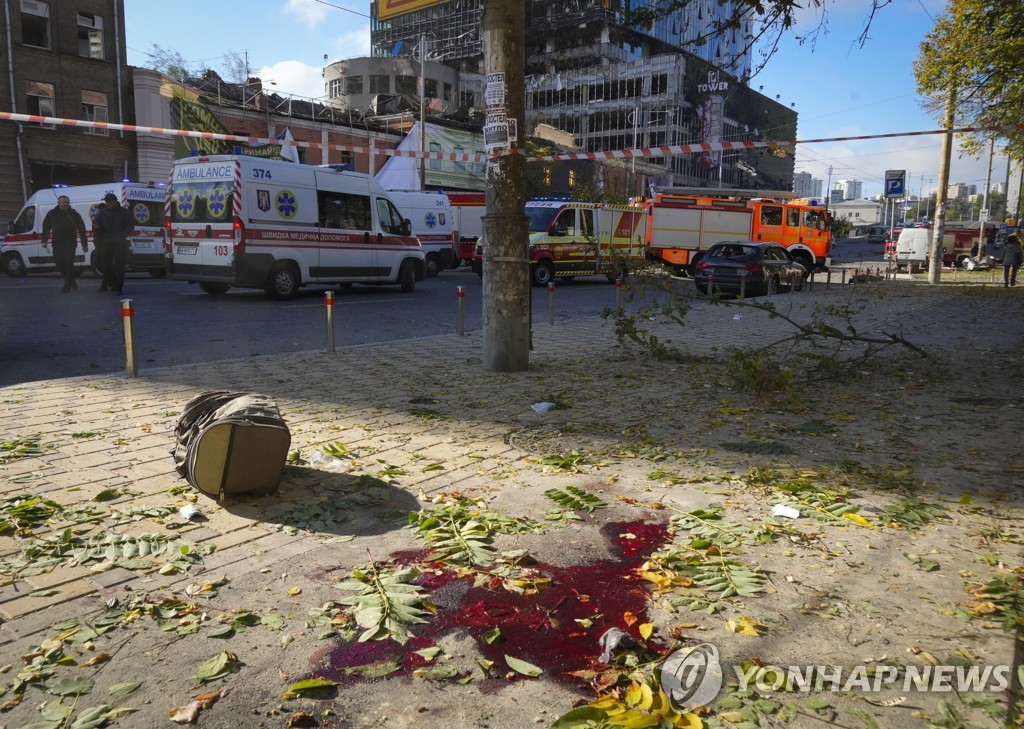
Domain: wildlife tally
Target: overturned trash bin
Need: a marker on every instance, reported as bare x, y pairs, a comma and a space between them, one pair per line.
231, 443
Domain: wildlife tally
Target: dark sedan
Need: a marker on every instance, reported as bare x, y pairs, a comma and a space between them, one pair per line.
750, 268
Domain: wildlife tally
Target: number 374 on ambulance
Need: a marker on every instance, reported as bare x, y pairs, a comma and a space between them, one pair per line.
237, 221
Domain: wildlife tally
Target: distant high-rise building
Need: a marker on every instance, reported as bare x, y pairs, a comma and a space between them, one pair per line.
805, 185
961, 191
852, 189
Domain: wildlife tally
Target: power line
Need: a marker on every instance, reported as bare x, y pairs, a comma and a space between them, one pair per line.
347, 10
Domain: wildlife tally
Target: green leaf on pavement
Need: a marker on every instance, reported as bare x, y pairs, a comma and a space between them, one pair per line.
521, 666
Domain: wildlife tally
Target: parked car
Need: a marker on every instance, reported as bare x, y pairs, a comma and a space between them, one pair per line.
767, 267
876, 233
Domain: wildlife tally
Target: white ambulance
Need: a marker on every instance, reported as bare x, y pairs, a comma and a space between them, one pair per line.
22, 251
275, 225
431, 216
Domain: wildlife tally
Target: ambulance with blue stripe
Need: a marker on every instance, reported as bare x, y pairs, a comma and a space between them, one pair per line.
246, 222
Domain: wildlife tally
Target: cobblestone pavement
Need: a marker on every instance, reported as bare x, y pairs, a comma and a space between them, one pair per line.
421, 414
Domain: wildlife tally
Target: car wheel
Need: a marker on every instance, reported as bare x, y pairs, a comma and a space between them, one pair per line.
433, 266
283, 282
407, 277
543, 273
158, 272
797, 282
804, 260
213, 289
691, 270
14, 266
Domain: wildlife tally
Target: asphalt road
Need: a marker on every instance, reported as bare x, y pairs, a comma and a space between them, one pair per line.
45, 334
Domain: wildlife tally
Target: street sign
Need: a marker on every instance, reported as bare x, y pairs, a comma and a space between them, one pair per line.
895, 183
983, 216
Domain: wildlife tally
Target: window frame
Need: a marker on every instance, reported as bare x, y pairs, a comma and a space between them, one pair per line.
45, 19
95, 106
38, 107
94, 28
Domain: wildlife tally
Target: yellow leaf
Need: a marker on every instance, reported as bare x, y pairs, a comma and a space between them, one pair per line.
926, 658
633, 694
646, 629
95, 660
857, 519
746, 626
629, 617
607, 704
733, 717
633, 719
689, 721
647, 697
293, 591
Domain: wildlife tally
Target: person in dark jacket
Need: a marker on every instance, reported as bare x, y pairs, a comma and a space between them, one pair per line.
115, 226
1012, 256
64, 225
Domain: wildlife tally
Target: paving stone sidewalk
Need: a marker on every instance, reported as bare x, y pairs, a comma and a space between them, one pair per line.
105, 440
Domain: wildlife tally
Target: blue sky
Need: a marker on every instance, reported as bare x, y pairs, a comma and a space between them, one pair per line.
838, 88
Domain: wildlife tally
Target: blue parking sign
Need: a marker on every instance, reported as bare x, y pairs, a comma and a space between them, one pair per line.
895, 183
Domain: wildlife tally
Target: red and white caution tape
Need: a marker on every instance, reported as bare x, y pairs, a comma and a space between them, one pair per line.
665, 151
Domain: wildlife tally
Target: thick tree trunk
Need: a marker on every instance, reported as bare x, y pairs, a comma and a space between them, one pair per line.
506, 267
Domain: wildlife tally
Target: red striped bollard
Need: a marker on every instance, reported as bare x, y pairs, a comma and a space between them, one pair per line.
329, 306
551, 303
711, 283
618, 296
127, 316
460, 311
743, 282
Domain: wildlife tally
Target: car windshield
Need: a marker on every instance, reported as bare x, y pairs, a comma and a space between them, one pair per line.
733, 250
202, 202
540, 218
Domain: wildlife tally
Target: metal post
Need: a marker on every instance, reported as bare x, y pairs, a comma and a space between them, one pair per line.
127, 315
551, 303
460, 311
992, 279
810, 280
329, 305
828, 279
842, 280
711, 281
423, 111
618, 297
743, 283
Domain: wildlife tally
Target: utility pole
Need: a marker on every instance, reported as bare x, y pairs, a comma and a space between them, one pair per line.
984, 206
935, 251
423, 111
506, 266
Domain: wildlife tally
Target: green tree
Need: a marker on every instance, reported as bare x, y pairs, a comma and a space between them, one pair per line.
168, 62
977, 46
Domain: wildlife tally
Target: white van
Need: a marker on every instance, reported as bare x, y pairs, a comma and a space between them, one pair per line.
22, 249
913, 244
275, 225
431, 216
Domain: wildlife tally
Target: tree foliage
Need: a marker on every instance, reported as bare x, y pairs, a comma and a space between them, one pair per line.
168, 62
977, 47
762, 23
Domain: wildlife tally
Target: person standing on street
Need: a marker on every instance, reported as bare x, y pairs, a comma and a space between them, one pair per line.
1012, 255
64, 225
115, 226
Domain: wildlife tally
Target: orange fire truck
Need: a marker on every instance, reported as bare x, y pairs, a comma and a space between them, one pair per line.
684, 222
